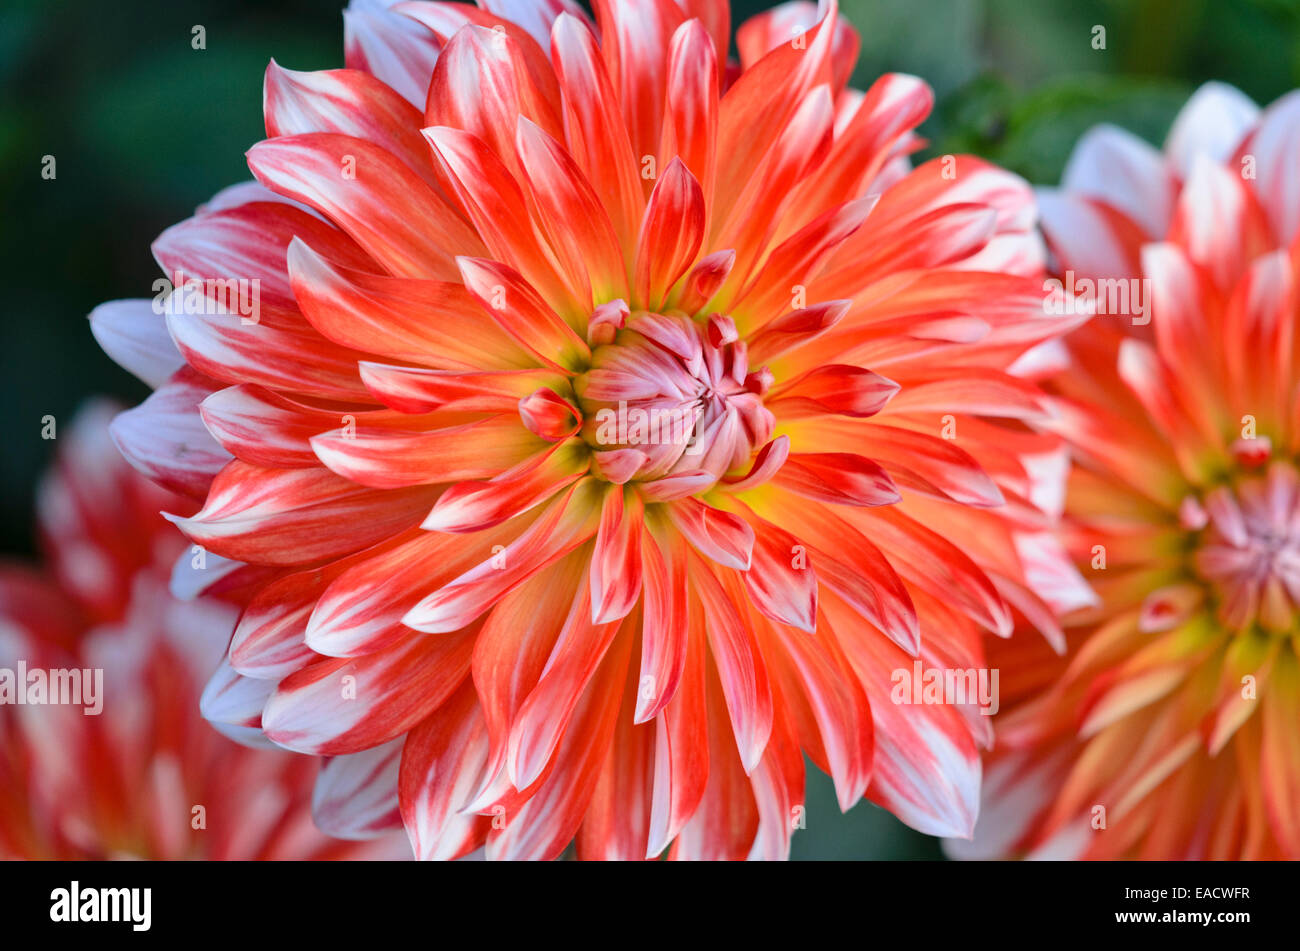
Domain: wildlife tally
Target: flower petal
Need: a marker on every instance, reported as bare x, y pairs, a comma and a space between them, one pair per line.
671, 234
345, 705
740, 665
441, 762
433, 323
297, 516
164, 437
566, 524
375, 197
394, 459
616, 559
134, 334
355, 796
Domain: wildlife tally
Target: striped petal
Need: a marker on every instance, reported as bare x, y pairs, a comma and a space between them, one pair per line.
781, 581
349, 102
393, 459
392, 48
473, 506
567, 523
542, 826
523, 314
838, 477
483, 85
741, 669
721, 536
392, 316
164, 437
665, 622
836, 388
263, 428
598, 139
491, 196
422, 390
570, 215
358, 605
356, 794
296, 516
616, 559
345, 705
543, 716
441, 761
671, 234
376, 198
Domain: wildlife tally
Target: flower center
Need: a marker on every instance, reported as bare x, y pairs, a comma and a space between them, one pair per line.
667, 395
1249, 550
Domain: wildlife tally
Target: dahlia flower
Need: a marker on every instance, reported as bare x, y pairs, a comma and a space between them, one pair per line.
124, 766
616, 420
1170, 727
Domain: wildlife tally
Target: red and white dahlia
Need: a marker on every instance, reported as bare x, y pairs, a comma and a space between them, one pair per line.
124, 766
617, 419
1170, 728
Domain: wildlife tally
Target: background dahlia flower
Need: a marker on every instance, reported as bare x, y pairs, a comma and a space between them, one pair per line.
1174, 715
502, 257
145, 777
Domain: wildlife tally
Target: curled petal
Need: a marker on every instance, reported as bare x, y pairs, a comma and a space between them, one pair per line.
726, 538
616, 559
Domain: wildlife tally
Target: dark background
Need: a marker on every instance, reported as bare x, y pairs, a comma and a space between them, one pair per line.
144, 128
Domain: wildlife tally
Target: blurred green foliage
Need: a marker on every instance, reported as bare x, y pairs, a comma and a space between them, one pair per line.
1018, 82
144, 128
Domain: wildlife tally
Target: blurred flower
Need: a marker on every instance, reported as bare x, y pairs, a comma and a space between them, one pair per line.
1170, 728
124, 766
1224, 165
562, 451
